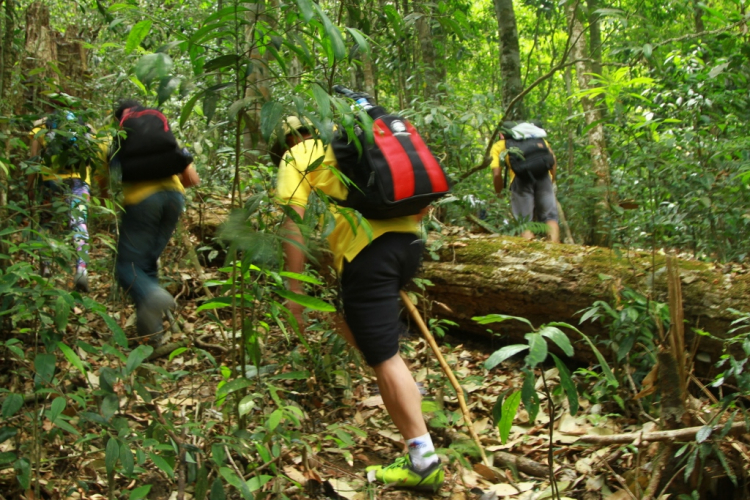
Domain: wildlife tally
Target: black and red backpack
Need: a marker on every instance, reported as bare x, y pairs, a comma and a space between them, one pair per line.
394, 174
149, 150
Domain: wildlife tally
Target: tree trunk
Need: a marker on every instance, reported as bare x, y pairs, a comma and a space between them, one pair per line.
546, 282
6, 51
73, 58
510, 59
431, 74
596, 139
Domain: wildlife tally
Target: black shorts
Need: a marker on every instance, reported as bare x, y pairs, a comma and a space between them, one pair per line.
370, 287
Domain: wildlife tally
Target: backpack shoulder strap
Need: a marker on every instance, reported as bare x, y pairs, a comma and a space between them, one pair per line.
143, 112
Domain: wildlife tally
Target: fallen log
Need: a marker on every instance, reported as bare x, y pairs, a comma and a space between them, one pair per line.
543, 282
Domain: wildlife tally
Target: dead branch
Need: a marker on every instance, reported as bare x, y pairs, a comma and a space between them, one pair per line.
685, 434
522, 464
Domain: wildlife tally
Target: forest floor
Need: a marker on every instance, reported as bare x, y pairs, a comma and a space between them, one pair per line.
341, 425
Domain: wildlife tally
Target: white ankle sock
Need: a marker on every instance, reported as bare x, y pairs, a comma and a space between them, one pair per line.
421, 451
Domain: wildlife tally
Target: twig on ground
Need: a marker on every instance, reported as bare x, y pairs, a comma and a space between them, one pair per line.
673, 435
522, 464
447, 370
657, 471
621, 480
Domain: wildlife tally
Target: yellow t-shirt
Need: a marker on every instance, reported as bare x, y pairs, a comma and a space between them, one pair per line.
295, 184
54, 173
498, 148
136, 192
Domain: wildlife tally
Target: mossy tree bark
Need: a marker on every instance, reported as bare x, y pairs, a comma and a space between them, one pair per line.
544, 282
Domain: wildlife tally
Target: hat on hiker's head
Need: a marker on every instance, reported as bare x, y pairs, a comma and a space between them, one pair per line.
294, 124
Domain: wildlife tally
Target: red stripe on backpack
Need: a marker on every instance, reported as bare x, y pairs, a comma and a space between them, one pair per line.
135, 114
398, 160
431, 166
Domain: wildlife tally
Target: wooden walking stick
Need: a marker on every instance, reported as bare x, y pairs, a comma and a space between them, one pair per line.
446, 369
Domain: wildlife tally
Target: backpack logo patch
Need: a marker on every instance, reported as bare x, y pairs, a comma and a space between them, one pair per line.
398, 128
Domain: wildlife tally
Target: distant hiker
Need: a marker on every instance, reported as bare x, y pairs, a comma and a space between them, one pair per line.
532, 167
155, 173
373, 267
66, 150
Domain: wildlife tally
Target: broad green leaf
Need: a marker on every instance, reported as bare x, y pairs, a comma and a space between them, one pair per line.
305, 7
210, 101
23, 473
235, 481
62, 311
215, 303
510, 407
217, 490
201, 483
270, 117
566, 380
188, 108
307, 301
162, 464
257, 482
11, 404
298, 375
117, 332
499, 318
323, 101
529, 396
137, 34
274, 419
167, 86
44, 364
703, 433
233, 386
140, 492
6, 433
126, 459
56, 408
360, 39
300, 277
7, 457
177, 352
333, 34
611, 380
537, 349
111, 455
246, 405
502, 354
137, 356
72, 358
153, 67
221, 62
558, 337
110, 405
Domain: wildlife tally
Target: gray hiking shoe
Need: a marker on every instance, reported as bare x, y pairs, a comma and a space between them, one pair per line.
150, 315
81, 281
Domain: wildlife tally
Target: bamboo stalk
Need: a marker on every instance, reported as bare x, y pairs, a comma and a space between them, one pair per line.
447, 370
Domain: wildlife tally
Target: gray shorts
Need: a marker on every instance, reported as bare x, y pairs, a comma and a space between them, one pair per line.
533, 200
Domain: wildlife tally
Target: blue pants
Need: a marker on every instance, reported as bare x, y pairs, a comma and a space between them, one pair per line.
144, 233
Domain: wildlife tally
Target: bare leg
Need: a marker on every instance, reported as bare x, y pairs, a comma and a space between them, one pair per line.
554, 231
527, 235
344, 331
401, 397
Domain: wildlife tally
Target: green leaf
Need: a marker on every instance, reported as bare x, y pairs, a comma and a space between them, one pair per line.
7, 457
44, 364
257, 482
274, 419
111, 455
177, 352
502, 354
221, 62
6, 433
301, 277
167, 86
140, 492
56, 408
307, 301
138, 356
188, 108
23, 472
235, 481
246, 405
137, 34
119, 335
217, 490
499, 318
529, 396
126, 459
72, 358
611, 380
360, 39
233, 386
62, 311
703, 433
323, 101
201, 483
210, 101
215, 303
558, 337
305, 7
537, 349
510, 407
270, 117
162, 464
153, 67
333, 33
12, 403
566, 380
110, 405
